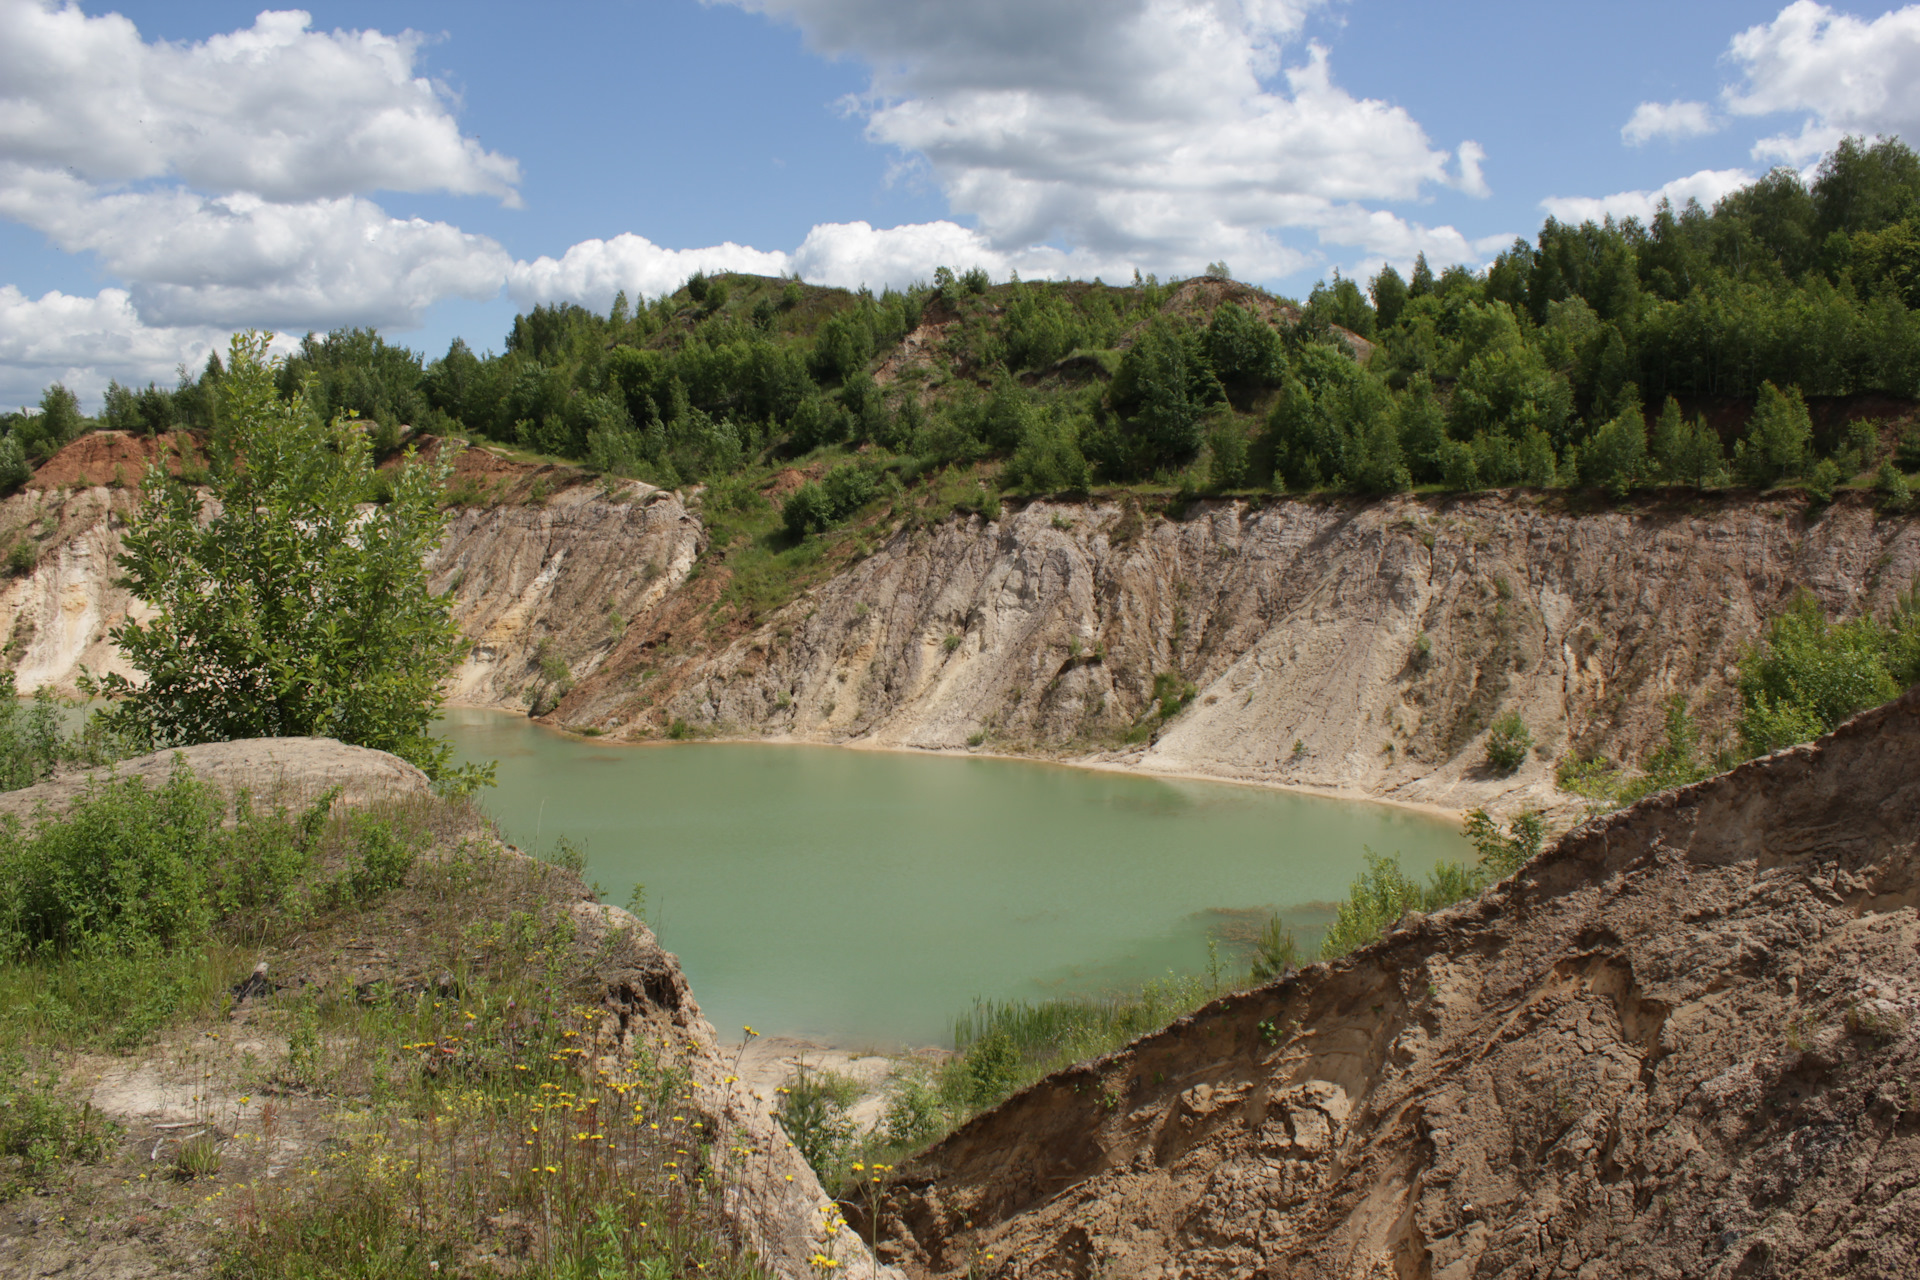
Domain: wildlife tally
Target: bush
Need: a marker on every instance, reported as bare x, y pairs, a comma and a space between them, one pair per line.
135, 871
1891, 489
30, 739
1508, 743
1048, 458
1383, 893
1502, 854
813, 1111
817, 506
1807, 675
42, 1127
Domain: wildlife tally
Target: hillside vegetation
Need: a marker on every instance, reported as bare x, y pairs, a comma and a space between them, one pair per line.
1767, 340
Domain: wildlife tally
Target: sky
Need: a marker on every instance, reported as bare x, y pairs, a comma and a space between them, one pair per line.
171, 172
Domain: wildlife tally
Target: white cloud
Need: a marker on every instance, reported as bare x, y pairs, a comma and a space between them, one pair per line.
222, 182
1707, 186
84, 341
239, 260
1668, 120
592, 271
1848, 75
1164, 131
278, 110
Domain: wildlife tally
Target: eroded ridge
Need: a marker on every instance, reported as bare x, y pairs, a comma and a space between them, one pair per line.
1680, 1042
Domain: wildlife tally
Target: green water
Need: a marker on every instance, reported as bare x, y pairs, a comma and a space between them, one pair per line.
866, 897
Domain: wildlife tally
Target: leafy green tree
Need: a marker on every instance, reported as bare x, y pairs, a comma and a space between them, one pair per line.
1779, 441
1244, 349
1617, 454
1227, 464
1155, 391
1865, 188
15, 470
281, 609
1890, 488
1389, 294
1687, 452
1420, 284
1455, 462
1048, 458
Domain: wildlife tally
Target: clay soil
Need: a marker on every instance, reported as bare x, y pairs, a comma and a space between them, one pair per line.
113, 458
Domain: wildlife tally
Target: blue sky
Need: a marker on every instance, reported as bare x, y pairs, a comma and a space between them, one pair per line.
169, 172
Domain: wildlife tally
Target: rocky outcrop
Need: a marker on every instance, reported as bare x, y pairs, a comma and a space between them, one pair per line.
278, 770
1680, 1042
1353, 646
56, 613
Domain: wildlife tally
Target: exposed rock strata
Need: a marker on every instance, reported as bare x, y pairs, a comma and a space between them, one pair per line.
1300, 625
557, 583
1680, 1042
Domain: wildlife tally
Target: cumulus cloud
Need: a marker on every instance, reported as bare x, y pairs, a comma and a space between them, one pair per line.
1674, 120
241, 260
1167, 131
278, 110
1707, 186
224, 182
591, 272
82, 342
1847, 75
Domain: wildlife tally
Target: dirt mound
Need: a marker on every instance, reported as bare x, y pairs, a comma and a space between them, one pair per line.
1681, 1042
113, 457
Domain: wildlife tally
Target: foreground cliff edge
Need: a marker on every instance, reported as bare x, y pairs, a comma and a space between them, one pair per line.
290, 1098
1680, 1042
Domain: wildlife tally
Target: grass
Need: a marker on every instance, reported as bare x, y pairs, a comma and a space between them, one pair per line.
470, 1109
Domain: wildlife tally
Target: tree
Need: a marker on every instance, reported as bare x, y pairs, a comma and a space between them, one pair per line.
1155, 390
281, 609
1779, 439
1389, 293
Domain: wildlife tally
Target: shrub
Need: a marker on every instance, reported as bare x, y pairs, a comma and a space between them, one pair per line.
23, 557
1806, 675
1382, 894
813, 1111
1048, 458
1891, 489
817, 506
42, 1127
1508, 742
135, 871
30, 740
1502, 854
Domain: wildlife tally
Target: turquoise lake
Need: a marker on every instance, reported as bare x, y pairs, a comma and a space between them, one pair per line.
865, 897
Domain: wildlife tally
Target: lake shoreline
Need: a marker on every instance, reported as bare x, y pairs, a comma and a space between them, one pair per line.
1127, 768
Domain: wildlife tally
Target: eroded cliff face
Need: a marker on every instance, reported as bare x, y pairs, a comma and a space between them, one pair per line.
1353, 646
1357, 647
56, 616
1680, 1042
545, 591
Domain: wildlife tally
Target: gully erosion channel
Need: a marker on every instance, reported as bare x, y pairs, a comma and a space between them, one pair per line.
864, 898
